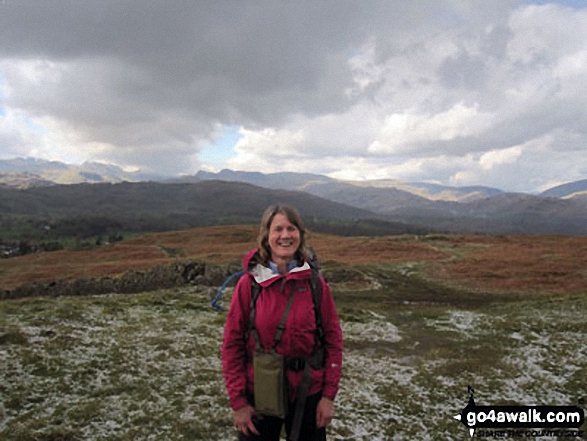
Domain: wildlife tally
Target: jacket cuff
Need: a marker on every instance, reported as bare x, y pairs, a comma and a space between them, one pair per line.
329, 393
238, 402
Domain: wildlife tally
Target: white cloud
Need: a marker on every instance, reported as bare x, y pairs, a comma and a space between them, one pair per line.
16, 136
274, 143
494, 158
402, 133
469, 92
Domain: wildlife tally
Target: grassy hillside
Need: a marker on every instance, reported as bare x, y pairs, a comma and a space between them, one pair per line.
206, 199
423, 317
491, 263
87, 211
147, 366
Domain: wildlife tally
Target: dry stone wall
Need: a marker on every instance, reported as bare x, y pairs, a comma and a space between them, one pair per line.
160, 277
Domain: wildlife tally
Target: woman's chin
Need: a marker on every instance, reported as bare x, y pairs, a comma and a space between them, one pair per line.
283, 255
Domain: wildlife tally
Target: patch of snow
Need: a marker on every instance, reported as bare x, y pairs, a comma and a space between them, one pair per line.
465, 323
374, 330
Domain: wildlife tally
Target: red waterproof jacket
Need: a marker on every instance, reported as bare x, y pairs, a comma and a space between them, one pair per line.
298, 340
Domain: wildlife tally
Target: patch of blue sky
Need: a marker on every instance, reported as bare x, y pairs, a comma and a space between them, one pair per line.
577, 4
2, 111
221, 149
2, 87
34, 127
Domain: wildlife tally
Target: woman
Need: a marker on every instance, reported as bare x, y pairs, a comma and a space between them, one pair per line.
280, 269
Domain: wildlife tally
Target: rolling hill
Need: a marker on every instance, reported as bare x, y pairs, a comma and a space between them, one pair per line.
568, 190
474, 210
508, 213
393, 206
87, 210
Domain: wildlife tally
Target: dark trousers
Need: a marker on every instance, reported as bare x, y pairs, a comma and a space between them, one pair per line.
270, 427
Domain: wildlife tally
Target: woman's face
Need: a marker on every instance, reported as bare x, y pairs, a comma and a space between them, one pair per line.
284, 238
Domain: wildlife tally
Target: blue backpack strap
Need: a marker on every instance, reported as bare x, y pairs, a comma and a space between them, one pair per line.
214, 303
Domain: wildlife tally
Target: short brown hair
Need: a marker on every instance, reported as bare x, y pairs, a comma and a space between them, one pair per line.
263, 239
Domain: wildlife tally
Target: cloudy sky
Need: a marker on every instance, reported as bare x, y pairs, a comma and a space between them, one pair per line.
457, 92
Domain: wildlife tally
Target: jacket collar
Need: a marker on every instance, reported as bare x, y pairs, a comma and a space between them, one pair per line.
266, 276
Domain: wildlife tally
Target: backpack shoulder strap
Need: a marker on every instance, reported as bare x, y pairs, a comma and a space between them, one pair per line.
255, 291
316, 286
281, 326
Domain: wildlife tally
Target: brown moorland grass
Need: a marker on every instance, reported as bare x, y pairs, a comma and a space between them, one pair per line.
211, 244
516, 263
71, 265
508, 263
365, 250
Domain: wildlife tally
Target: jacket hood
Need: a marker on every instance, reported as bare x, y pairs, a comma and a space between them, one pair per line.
251, 259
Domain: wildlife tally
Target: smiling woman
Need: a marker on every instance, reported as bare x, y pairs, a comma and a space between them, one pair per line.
282, 237
282, 348
284, 240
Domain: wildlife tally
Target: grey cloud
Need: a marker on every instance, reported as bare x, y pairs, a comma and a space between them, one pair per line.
251, 61
496, 41
154, 79
463, 71
11, 144
257, 60
152, 73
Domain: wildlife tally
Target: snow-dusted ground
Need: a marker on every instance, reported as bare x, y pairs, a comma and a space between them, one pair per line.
147, 367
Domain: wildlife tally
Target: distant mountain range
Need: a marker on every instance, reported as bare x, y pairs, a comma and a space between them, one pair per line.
32, 172
23, 180
449, 209
323, 185
231, 196
28, 172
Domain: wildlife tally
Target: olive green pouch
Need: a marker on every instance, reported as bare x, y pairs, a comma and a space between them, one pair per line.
270, 393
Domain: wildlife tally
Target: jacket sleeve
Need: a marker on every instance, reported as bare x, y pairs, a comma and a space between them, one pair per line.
234, 361
333, 343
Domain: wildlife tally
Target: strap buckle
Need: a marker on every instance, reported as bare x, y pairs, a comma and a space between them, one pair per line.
296, 364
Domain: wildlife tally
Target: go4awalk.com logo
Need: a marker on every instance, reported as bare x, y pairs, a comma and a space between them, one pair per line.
522, 421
